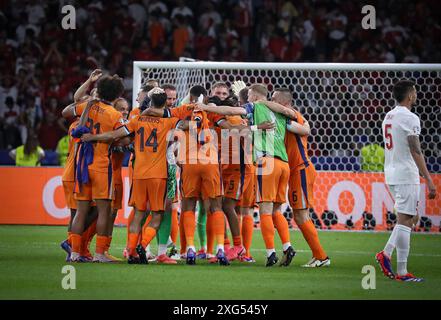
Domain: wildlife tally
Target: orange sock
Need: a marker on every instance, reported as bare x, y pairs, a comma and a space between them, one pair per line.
267, 229
189, 227
237, 241
247, 233
101, 242
129, 222
311, 236
174, 226
86, 238
132, 243
183, 243
145, 226
76, 242
210, 233
69, 240
147, 236
282, 227
109, 241
219, 227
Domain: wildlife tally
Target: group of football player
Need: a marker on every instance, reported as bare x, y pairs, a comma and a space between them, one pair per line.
202, 164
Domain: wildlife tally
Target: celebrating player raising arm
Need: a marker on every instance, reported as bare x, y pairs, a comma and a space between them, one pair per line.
403, 164
93, 182
150, 172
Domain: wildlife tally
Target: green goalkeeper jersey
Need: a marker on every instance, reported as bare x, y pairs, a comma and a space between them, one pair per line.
267, 143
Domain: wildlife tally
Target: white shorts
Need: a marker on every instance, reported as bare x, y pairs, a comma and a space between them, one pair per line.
406, 197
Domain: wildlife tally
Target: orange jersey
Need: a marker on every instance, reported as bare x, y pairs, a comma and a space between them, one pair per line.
69, 168
150, 145
102, 118
185, 112
117, 162
135, 112
297, 147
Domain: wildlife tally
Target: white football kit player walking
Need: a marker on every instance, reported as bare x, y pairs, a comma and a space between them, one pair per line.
404, 163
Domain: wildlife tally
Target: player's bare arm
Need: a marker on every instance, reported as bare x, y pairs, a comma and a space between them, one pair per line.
299, 129
223, 110
82, 90
276, 107
418, 157
107, 136
153, 112
69, 111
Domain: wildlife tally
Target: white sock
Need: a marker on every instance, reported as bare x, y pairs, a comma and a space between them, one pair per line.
286, 246
269, 252
391, 243
169, 241
147, 249
403, 246
162, 249
220, 247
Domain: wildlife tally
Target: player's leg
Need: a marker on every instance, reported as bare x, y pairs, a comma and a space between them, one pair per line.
218, 217
164, 234
229, 207
282, 227
212, 189
104, 213
174, 222
129, 221
71, 203
134, 235
89, 232
247, 232
209, 230
191, 189
202, 229
77, 229
189, 225
266, 192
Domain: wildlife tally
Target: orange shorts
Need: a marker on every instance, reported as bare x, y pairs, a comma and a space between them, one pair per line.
248, 197
152, 191
100, 187
301, 185
200, 180
233, 182
117, 200
68, 187
272, 180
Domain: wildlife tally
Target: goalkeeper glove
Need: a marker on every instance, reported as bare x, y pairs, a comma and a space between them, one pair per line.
237, 86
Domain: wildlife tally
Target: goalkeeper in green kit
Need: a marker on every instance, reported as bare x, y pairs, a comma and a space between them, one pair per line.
271, 160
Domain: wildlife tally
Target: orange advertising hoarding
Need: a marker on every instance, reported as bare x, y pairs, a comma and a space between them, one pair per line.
35, 196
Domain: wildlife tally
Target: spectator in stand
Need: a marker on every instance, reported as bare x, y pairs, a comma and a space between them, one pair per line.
9, 119
28, 155
30, 117
182, 10
182, 36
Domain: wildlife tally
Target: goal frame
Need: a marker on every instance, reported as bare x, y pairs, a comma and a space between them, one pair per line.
138, 66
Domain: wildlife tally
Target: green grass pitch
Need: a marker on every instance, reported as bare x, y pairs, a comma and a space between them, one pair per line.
31, 262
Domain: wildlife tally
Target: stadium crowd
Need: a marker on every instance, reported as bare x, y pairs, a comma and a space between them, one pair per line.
41, 63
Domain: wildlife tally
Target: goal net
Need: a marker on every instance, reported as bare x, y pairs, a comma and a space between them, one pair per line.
345, 105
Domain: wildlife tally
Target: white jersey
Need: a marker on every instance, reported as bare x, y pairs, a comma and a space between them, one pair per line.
399, 166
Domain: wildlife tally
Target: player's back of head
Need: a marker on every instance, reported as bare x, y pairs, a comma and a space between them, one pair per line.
110, 88
402, 89
158, 98
259, 89
197, 90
